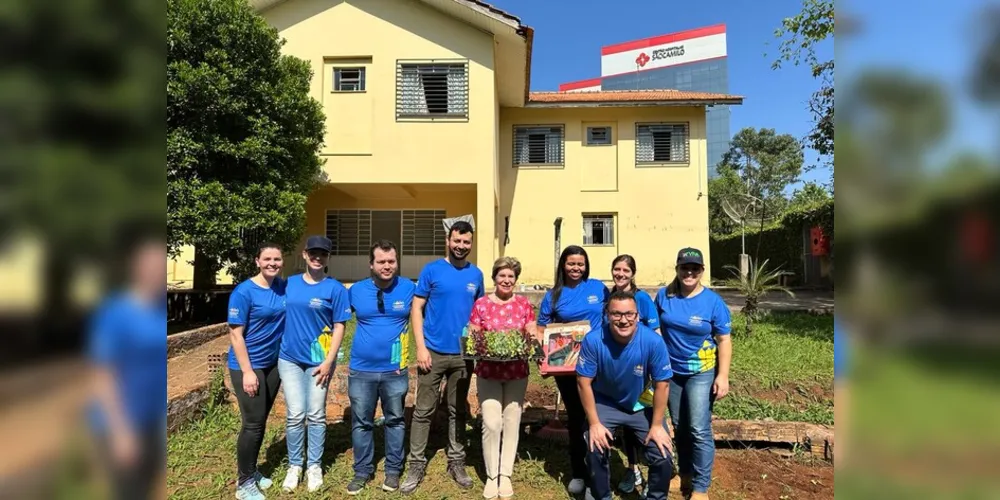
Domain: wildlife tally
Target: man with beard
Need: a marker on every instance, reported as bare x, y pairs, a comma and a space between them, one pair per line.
616, 365
448, 288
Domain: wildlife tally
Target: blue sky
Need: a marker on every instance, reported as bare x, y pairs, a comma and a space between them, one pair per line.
569, 36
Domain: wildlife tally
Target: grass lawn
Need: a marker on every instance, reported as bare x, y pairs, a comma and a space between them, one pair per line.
783, 371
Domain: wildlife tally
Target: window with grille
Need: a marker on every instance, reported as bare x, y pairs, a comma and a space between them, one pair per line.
418, 232
423, 232
661, 143
432, 90
348, 79
539, 145
599, 229
350, 231
598, 136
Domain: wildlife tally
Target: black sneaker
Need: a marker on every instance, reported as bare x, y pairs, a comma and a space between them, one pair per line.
391, 482
456, 470
357, 484
414, 474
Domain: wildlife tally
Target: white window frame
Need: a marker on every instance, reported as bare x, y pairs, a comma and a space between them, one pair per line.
528, 141
646, 145
339, 80
608, 220
424, 86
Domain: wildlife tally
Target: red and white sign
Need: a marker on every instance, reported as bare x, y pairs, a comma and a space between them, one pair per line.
581, 85
663, 51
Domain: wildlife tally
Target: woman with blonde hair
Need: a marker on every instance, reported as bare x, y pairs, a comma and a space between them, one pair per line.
502, 385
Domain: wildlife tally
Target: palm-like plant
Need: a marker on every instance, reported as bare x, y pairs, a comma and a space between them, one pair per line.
758, 282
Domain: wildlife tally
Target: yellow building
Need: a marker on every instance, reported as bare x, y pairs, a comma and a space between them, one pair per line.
429, 115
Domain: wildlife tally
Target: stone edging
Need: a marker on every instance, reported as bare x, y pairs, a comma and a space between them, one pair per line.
178, 343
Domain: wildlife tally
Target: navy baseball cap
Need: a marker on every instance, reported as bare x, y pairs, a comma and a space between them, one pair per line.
319, 243
690, 256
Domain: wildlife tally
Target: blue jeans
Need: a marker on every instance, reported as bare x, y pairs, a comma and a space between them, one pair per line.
661, 467
690, 403
365, 389
306, 403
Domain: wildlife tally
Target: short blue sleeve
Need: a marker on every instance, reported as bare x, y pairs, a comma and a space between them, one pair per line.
647, 310
424, 282
239, 307
722, 323
341, 304
659, 363
103, 341
545, 309
481, 292
586, 366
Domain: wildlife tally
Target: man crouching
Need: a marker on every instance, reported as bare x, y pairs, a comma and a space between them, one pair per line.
615, 364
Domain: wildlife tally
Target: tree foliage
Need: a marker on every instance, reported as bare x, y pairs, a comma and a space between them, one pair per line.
799, 36
726, 185
765, 163
809, 195
243, 135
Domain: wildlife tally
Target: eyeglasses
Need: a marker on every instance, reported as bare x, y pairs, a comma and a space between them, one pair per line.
381, 301
691, 269
629, 315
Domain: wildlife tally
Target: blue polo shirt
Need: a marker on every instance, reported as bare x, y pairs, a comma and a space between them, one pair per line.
381, 342
450, 293
311, 310
128, 336
689, 326
585, 301
261, 313
620, 372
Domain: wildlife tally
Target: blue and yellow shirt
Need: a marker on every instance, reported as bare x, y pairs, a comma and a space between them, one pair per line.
689, 326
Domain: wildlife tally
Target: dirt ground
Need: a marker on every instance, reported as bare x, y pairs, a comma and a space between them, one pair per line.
766, 474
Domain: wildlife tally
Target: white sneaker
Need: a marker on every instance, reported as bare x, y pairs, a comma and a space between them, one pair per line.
576, 486
292, 479
314, 478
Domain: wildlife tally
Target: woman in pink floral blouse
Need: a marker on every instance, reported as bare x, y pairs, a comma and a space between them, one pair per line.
501, 385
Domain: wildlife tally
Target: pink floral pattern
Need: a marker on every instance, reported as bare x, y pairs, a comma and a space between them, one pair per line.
513, 315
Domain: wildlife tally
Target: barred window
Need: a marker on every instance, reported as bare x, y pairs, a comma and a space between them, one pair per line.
661, 143
350, 231
417, 232
599, 229
423, 232
432, 89
539, 145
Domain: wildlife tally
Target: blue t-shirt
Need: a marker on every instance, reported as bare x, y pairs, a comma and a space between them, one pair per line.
129, 337
450, 293
381, 342
261, 313
620, 372
311, 309
689, 325
585, 301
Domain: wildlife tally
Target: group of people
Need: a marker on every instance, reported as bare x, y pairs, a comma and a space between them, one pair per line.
641, 357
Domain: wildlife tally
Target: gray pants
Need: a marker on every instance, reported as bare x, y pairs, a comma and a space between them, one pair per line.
456, 371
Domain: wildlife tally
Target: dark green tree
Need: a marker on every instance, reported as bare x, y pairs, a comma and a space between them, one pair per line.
809, 195
765, 163
726, 185
243, 135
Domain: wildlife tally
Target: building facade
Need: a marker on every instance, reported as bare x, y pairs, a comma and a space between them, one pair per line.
688, 60
429, 116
